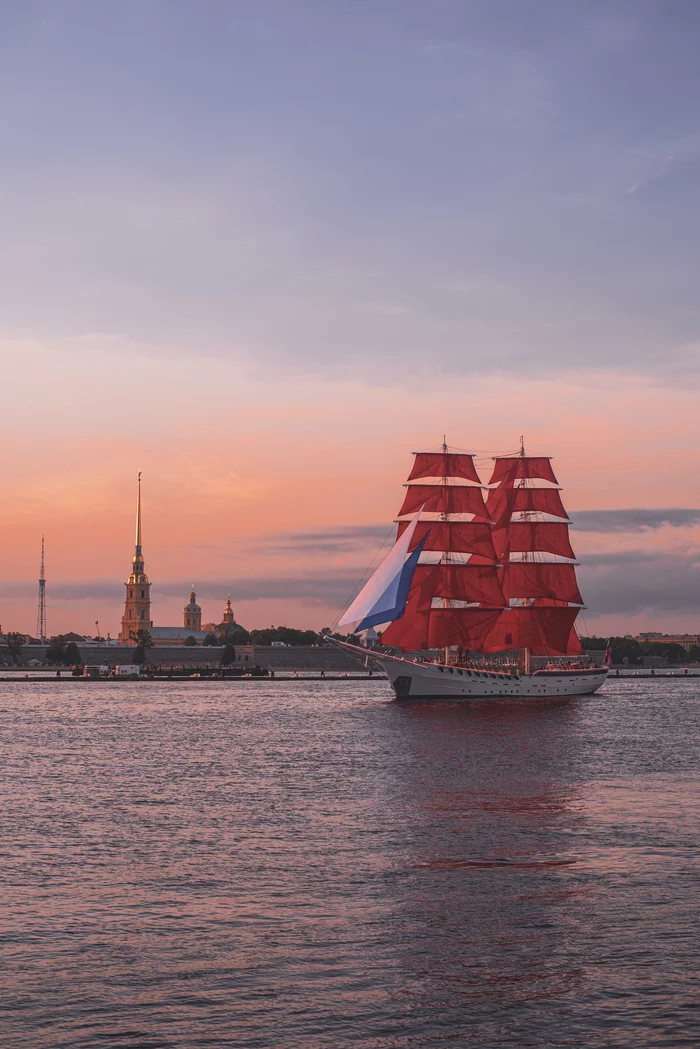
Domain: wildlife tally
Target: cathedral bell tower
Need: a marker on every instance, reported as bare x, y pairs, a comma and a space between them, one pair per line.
137, 606
193, 613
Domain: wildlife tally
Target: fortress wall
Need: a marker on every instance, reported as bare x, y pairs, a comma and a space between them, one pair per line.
303, 657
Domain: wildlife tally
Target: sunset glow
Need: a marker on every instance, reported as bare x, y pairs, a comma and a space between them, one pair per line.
270, 302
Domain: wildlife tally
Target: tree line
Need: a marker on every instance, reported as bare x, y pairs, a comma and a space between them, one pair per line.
240, 636
629, 649
62, 653
59, 652
285, 635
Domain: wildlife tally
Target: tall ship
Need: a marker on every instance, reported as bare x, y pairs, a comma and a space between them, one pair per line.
480, 586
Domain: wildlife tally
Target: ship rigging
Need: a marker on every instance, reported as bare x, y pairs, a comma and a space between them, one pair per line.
484, 570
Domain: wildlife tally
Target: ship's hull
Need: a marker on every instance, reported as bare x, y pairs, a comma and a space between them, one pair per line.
434, 681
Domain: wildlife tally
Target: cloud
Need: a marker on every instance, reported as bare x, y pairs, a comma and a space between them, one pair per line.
617, 558
309, 588
334, 540
82, 590
331, 588
522, 256
326, 541
637, 581
633, 520
623, 582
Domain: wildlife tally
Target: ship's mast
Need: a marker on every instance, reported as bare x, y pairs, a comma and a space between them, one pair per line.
539, 582
524, 517
445, 555
470, 595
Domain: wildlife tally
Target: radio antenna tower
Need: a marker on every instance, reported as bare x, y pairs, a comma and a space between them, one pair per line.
41, 610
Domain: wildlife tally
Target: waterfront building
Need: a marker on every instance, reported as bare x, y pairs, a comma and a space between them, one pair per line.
687, 641
193, 613
137, 606
228, 623
227, 626
175, 635
137, 603
192, 626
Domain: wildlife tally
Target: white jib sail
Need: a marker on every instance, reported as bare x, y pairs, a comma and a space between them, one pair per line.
380, 590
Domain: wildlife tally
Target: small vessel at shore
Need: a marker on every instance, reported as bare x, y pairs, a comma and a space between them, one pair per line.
482, 592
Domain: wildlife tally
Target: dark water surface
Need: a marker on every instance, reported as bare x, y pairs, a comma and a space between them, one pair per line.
304, 864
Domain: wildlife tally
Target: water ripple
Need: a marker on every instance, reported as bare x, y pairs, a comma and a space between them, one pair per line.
319, 868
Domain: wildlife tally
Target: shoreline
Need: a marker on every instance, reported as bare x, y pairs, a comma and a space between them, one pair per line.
24, 678
24, 675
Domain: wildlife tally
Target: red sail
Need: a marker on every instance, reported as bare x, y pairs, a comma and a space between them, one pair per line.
574, 648
466, 627
510, 468
538, 579
444, 464
440, 627
528, 536
462, 582
545, 631
459, 537
410, 633
444, 499
502, 502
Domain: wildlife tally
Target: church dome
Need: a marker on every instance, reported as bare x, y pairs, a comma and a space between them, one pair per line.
192, 607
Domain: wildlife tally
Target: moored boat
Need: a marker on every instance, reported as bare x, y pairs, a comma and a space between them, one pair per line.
488, 583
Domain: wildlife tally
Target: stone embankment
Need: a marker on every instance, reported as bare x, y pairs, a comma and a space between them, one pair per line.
306, 657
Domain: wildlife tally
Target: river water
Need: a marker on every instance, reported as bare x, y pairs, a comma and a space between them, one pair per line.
307, 865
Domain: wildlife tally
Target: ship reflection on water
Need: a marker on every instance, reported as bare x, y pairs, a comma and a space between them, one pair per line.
494, 808
533, 877
310, 866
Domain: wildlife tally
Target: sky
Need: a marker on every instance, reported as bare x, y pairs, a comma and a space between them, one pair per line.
262, 250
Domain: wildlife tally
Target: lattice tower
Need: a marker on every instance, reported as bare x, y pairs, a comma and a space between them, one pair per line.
41, 610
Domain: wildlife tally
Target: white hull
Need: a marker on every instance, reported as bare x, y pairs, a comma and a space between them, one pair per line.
434, 681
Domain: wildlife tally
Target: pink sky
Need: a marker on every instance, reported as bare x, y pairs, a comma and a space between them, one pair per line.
263, 254
236, 464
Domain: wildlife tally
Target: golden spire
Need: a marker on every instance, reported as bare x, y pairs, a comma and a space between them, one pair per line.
138, 517
138, 555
